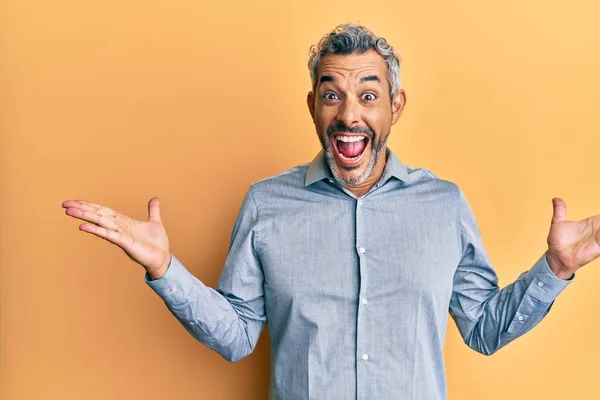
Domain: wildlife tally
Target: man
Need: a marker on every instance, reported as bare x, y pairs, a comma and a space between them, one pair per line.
354, 259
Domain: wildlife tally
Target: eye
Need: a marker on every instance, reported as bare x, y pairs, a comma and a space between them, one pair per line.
330, 96
368, 97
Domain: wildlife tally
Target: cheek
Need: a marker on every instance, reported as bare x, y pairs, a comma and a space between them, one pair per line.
322, 120
380, 122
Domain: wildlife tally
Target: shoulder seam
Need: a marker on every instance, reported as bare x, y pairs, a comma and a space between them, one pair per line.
459, 219
257, 223
258, 212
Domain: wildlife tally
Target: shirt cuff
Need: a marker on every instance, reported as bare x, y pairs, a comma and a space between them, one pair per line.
542, 283
175, 284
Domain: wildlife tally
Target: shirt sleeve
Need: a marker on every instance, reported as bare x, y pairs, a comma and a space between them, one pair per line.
488, 317
230, 318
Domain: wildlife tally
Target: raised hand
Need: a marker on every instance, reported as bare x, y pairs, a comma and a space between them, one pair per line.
571, 244
145, 242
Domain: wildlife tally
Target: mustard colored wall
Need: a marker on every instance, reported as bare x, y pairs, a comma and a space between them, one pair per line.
191, 101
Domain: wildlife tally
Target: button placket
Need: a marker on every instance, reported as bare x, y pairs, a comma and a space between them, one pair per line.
362, 342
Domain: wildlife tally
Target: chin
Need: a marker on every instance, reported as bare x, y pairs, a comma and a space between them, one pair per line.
350, 179
350, 176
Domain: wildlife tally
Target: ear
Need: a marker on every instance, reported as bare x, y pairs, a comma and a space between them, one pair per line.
310, 102
398, 103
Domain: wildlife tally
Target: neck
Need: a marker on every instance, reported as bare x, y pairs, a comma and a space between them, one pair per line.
367, 184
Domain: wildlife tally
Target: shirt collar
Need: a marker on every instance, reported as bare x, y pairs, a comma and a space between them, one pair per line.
319, 170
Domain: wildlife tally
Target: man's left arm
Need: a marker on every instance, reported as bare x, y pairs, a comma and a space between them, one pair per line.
488, 317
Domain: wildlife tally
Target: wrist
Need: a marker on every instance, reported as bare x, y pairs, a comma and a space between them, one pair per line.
160, 271
557, 268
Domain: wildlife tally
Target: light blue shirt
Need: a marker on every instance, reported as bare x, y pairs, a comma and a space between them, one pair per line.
356, 291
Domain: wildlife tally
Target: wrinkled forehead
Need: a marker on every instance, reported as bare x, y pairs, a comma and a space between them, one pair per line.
351, 67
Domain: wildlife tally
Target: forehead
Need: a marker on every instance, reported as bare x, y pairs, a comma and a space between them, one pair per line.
354, 65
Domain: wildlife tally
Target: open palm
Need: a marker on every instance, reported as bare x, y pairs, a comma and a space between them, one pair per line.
145, 242
575, 243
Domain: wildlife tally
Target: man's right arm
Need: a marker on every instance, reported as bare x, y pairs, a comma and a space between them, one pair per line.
230, 319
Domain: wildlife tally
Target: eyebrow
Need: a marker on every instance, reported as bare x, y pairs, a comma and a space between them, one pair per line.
326, 78
369, 78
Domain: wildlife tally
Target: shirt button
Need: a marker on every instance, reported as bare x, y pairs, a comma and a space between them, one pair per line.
362, 250
520, 318
360, 202
364, 301
192, 323
173, 289
540, 283
365, 356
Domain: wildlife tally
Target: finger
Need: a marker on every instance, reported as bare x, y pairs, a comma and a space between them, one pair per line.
86, 205
92, 204
98, 209
560, 210
154, 210
77, 202
107, 234
92, 207
72, 203
107, 210
95, 218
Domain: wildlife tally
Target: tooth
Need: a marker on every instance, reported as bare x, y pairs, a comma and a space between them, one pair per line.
348, 139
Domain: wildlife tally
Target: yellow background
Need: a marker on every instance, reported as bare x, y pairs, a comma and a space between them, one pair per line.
191, 101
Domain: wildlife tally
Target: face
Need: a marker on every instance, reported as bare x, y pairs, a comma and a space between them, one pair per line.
353, 114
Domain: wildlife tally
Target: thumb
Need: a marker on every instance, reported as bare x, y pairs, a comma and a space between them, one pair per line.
154, 210
560, 210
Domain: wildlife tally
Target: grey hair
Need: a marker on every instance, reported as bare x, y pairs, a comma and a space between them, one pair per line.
349, 38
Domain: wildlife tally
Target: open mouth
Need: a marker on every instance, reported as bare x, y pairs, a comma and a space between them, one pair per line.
350, 148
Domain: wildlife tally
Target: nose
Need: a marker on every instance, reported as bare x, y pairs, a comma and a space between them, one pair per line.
349, 112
